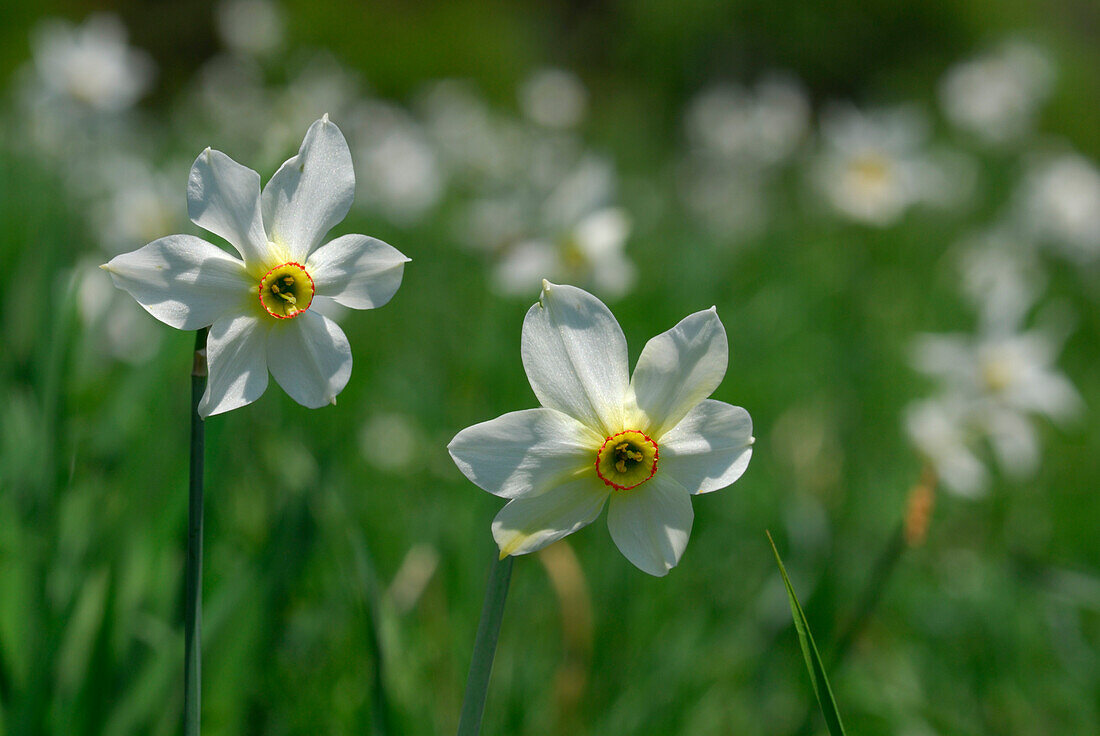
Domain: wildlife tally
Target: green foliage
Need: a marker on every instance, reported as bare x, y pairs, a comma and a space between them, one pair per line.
814, 666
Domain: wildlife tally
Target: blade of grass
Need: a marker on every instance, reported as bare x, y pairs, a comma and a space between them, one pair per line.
810, 654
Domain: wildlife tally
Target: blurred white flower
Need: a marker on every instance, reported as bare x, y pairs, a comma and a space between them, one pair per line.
591, 252
228, 97
554, 98
737, 139
874, 165
114, 324
475, 144
936, 427
1001, 277
137, 205
320, 84
390, 441
991, 386
91, 64
250, 27
397, 168
258, 306
646, 443
574, 233
1059, 201
996, 96
762, 126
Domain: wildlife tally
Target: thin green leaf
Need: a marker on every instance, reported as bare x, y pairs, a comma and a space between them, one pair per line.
809, 653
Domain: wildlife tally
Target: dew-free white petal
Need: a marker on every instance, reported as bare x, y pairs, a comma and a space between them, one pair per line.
651, 524
224, 197
525, 453
710, 448
310, 357
357, 271
575, 356
237, 360
530, 523
182, 280
311, 192
679, 368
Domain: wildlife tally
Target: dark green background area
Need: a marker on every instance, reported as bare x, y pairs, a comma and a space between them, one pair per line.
991, 627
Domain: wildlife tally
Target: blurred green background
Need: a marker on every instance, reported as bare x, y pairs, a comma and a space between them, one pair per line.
346, 556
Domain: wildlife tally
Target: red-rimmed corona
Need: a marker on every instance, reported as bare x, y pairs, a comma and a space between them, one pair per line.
286, 291
627, 459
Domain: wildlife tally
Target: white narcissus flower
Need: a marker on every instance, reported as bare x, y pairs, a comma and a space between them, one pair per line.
642, 444
259, 308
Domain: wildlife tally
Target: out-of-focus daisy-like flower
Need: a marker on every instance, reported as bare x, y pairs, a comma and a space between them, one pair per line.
554, 98
764, 125
398, 170
1001, 277
250, 27
997, 95
259, 306
643, 444
590, 252
579, 237
874, 166
991, 386
1059, 200
737, 138
114, 325
92, 64
140, 203
475, 145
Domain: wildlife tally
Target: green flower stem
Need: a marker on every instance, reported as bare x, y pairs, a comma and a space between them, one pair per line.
192, 616
485, 646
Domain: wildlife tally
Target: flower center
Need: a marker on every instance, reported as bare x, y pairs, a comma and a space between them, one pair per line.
286, 291
997, 374
626, 460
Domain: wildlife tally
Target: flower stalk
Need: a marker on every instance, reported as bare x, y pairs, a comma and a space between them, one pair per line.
192, 617
485, 646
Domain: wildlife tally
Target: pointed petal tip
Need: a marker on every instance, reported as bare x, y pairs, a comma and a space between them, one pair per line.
324, 119
105, 266
503, 554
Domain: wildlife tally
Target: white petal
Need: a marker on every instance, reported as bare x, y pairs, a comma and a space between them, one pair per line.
182, 280
357, 271
1014, 442
574, 353
311, 192
525, 453
530, 523
962, 472
224, 197
237, 363
310, 358
651, 524
679, 368
709, 449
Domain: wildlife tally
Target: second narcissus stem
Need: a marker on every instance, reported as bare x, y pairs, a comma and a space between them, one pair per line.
192, 616
485, 646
